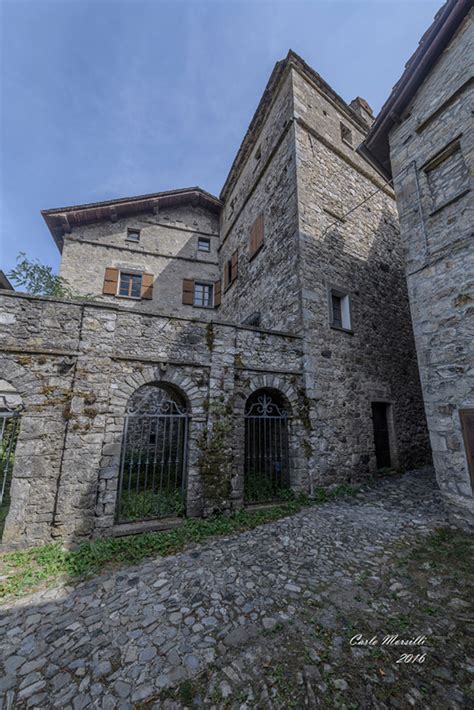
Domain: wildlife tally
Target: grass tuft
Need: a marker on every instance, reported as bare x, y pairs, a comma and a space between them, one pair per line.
23, 571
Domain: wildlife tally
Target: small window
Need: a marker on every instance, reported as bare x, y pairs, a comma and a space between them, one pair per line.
228, 272
130, 285
340, 311
203, 295
448, 176
204, 244
346, 134
133, 235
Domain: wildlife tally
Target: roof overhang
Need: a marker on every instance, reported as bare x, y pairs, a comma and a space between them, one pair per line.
432, 44
4, 282
62, 220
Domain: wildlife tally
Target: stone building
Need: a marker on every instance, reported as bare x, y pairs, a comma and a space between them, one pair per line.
229, 348
423, 137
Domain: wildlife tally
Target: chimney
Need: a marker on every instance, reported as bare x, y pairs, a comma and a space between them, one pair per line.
362, 109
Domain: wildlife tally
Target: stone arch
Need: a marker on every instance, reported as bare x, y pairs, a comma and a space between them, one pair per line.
265, 381
298, 464
192, 385
152, 477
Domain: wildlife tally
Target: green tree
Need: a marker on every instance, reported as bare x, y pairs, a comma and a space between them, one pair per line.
38, 279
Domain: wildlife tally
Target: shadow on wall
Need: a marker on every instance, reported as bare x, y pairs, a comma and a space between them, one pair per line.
374, 362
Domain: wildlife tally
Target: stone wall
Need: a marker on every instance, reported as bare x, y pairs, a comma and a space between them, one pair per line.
168, 249
307, 177
268, 283
432, 163
358, 253
75, 365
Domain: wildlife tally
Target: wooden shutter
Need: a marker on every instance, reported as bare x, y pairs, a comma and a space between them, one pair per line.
188, 292
256, 236
110, 282
147, 286
234, 265
217, 293
259, 230
226, 274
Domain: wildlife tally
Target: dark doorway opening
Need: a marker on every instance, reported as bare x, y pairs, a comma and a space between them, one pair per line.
381, 434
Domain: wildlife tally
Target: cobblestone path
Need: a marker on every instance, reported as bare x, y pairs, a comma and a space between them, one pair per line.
260, 619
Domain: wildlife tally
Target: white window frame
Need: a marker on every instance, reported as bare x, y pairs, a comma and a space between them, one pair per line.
129, 272
207, 241
206, 284
133, 231
346, 310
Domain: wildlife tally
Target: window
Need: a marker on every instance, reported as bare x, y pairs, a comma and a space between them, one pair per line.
228, 272
447, 175
130, 285
204, 244
340, 310
231, 268
346, 134
133, 235
203, 295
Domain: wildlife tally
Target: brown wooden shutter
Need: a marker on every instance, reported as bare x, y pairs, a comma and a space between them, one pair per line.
234, 265
110, 282
217, 293
147, 286
256, 236
226, 274
188, 292
259, 229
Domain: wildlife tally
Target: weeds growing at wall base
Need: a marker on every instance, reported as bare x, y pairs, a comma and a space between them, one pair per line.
26, 570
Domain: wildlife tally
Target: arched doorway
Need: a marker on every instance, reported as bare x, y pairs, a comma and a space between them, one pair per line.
10, 417
267, 461
152, 480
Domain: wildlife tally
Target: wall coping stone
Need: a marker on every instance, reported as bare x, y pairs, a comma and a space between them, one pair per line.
80, 303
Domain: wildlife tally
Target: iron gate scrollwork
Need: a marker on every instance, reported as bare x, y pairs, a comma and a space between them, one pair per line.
9, 430
152, 481
267, 460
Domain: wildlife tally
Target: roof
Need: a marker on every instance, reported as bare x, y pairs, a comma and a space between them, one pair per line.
292, 59
431, 45
4, 282
60, 220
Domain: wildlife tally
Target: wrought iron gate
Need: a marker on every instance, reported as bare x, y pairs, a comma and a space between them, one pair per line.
267, 461
153, 461
9, 428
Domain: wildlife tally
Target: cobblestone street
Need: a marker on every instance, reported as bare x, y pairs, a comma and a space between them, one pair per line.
260, 619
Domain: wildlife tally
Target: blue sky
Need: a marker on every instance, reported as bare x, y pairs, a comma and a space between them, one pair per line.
109, 98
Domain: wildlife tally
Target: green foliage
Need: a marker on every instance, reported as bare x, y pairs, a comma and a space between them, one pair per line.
259, 488
447, 546
145, 504
210, 336
21, 572
215, 458
40, 280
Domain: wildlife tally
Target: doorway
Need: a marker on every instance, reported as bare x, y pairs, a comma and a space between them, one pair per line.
381, 434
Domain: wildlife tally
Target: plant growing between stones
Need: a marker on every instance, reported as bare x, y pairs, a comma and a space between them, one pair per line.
215, 460
210, 336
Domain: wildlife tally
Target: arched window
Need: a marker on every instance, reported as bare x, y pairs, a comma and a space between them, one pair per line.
10, 417
267, 465
153, 460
